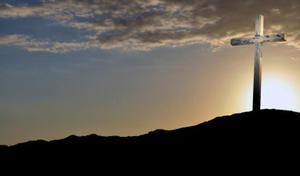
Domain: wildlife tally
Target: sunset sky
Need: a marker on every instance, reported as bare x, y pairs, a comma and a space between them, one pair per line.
126, 67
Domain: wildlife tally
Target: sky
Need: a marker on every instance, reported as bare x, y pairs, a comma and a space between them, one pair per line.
127, 67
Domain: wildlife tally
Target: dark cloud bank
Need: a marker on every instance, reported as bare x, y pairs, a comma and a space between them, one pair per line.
146, 24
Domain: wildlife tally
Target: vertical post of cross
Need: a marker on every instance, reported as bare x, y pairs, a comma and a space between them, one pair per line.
259, 32
259, 25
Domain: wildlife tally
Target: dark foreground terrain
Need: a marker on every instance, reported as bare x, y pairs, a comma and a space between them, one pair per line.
266, 134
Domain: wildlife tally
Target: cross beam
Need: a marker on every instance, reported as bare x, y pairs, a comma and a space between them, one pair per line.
258, 41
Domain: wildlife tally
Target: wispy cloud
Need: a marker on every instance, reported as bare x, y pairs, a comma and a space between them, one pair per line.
48, 46
143, 25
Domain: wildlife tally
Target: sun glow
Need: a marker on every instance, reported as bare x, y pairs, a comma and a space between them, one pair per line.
278, 92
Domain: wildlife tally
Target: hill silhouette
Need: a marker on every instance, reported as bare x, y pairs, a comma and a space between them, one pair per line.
267, 132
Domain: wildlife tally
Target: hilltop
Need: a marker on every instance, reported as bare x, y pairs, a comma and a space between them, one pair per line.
245, 133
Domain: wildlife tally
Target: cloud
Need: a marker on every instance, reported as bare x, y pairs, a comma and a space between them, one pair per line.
11, 39
48, 46
143, 25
